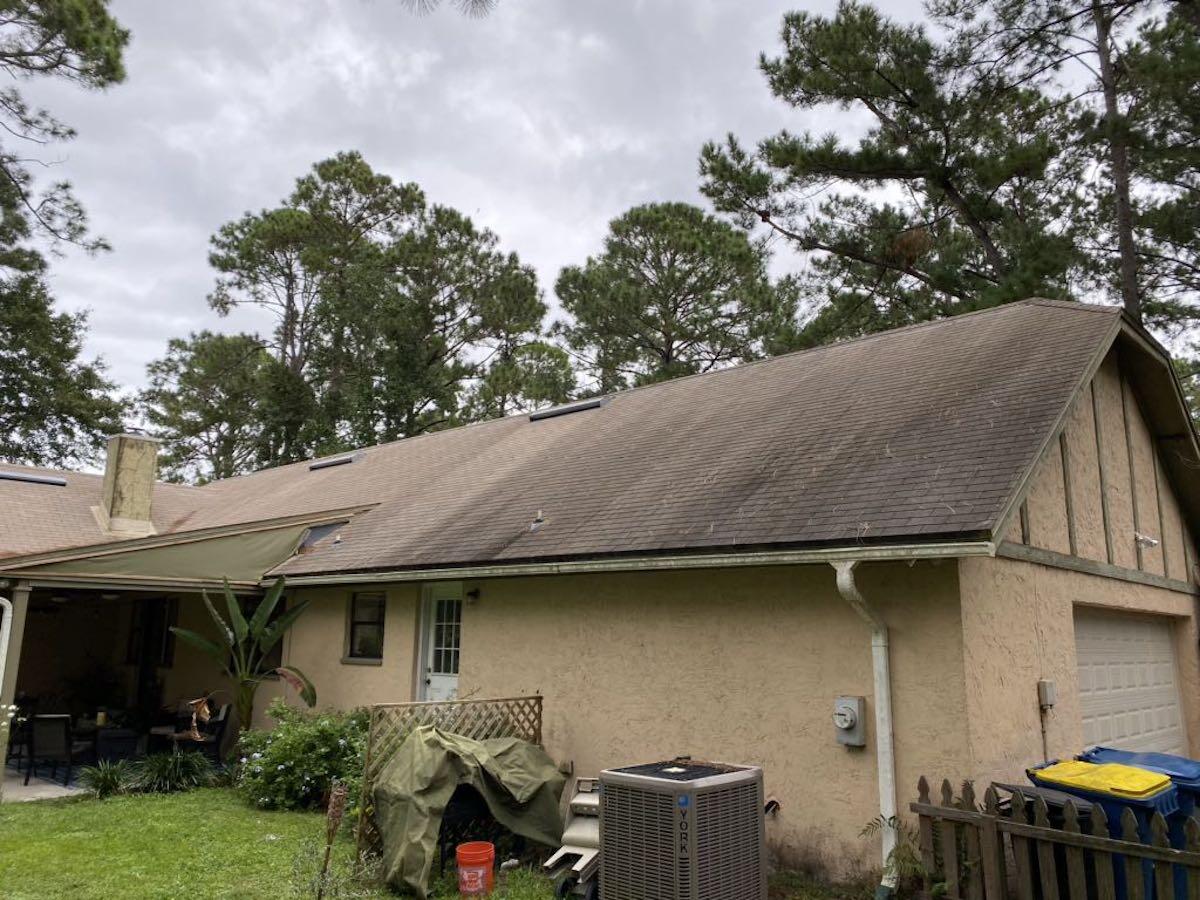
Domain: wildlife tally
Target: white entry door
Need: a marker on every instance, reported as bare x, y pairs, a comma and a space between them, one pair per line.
1128, 688
441, 640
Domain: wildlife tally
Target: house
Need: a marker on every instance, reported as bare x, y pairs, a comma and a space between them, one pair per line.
958, 521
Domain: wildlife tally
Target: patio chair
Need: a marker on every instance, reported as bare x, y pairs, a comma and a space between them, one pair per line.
212, 736
51, 741
18, 734
116, 744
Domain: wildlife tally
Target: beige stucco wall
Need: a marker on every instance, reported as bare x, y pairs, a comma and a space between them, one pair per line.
316, 645
740, 665
1018, 627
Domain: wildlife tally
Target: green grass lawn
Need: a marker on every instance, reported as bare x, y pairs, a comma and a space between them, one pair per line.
204, 843
209, 843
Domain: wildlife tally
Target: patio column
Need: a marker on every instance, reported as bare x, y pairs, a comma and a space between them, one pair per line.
19, 595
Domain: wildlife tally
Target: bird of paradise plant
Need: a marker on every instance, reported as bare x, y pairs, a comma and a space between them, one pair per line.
244, 645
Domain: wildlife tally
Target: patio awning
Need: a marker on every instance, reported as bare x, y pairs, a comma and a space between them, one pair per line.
243, 555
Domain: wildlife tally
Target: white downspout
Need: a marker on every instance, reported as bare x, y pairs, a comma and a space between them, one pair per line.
6, 610
885, 756
5, 633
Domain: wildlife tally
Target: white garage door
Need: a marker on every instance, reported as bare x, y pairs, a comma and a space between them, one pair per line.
1127, 682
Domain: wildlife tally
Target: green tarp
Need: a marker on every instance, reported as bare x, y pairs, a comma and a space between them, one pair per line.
519, 782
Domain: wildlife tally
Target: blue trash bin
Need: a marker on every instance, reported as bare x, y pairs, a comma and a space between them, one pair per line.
1165, 802
1184, 774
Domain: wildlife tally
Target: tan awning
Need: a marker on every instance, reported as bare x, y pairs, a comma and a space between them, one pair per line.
242, 557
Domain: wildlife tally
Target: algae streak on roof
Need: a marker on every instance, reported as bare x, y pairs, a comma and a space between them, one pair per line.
920, 433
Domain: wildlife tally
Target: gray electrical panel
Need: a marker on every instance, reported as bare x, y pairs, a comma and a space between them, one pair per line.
849, 721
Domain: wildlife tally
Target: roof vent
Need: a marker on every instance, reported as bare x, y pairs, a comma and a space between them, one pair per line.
330, 463
568, 408
30, 478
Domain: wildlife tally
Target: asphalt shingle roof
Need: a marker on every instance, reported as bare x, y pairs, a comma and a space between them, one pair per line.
908, 435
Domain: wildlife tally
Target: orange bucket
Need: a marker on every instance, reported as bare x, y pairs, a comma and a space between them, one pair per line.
476, 868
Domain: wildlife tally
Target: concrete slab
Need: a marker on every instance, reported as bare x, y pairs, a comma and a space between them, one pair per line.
16, 791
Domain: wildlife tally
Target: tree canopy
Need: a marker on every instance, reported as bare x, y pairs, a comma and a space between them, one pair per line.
675, 291
55, 409
393, 316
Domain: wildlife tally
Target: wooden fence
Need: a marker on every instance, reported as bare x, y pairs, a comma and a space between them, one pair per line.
391, 723
998, 851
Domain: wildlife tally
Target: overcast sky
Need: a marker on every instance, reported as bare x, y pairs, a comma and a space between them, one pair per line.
542, 121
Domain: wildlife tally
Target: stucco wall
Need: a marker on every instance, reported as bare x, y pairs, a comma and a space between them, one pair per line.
740, 665
316, 645
1018, 627
1140, 498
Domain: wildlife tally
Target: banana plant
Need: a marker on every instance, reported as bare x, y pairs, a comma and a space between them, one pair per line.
244, 645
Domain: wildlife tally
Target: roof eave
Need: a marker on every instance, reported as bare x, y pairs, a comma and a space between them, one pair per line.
657, 563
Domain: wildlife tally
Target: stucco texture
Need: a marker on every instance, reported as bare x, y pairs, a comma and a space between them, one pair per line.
316, 644
1018, 627
738, 665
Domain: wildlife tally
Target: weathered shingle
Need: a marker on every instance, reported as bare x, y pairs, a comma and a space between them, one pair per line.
906, 435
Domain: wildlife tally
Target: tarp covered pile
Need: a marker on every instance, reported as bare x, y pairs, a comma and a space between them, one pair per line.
517, 780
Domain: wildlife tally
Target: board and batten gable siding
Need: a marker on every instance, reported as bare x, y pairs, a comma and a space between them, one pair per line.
1102, 483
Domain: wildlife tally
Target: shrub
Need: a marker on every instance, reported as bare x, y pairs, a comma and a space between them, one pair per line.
107, 778
165, 773
293, 765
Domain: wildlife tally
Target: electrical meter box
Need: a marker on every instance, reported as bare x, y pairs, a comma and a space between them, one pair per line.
850, 721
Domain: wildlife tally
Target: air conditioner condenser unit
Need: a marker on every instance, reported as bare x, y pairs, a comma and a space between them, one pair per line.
682, 830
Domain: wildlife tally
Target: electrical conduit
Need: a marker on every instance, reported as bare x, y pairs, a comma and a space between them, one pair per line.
885, 756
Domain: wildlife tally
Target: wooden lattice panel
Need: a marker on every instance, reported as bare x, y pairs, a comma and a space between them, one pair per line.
391, 723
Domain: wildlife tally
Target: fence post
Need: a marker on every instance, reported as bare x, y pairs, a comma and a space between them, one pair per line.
925, 838
1135, 883
1076, 873
1102, 861
949, 840
1045, 851
991, 847
1192, 833
1021, 848
1164, 873
971, 839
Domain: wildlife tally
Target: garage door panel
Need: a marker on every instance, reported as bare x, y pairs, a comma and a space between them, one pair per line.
1127, 682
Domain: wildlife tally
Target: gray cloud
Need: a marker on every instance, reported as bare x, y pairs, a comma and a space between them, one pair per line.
542, 121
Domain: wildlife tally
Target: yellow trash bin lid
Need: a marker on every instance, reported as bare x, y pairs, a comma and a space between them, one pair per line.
1112, 779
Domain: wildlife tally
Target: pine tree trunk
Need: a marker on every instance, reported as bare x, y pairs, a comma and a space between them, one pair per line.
1118, 153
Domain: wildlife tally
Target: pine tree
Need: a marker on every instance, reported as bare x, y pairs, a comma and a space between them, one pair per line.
675, 291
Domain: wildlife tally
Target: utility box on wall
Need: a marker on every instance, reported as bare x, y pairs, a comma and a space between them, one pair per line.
849, 721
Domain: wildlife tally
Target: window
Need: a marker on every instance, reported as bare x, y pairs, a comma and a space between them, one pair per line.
447, 626
365, 639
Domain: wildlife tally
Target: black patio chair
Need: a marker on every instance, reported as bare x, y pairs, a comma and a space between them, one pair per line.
51, 741
116, 744
18, 731
212, 736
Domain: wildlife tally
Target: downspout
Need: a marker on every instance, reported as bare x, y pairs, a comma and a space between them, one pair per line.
6, 610
885, 756
5, 633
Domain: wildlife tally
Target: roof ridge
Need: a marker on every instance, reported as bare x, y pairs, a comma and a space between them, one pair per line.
944, 320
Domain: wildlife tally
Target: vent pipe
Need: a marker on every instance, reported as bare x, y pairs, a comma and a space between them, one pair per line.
130, 469
885, 756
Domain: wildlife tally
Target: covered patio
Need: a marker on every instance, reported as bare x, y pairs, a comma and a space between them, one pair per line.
92, 663
100, 676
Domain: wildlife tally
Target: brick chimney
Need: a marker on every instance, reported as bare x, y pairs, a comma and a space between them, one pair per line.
130, 467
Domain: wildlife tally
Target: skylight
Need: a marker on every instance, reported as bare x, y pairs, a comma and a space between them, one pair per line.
330, 463
567, 408
30, 478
